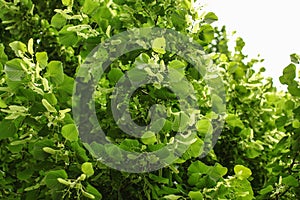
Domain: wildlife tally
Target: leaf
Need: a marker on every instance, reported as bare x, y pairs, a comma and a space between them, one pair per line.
149, 138
196, 149
210, 17
206, 33
159, 179
295, 58
290, 181
266, 190
37, 150
70, 132
90, 6
14, 70
42, 58
90, 189
25, 174
115, 74
281, 121
7, 129
195, 195
18, 47
159, 45
55, 72
87, 169
2, 104
52, 176
177, 64
67, 2
242, 172
234, 121
198, 167
136, 75
204, 126
3, 56
58, 21
289, 74
67, 38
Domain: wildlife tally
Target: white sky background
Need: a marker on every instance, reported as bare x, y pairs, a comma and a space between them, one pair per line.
270, 28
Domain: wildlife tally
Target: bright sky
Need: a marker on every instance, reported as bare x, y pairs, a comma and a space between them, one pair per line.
270, 28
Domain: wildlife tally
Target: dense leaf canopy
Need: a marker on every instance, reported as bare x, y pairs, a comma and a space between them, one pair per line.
42, 46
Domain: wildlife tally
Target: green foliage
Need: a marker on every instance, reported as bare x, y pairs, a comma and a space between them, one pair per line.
42, 156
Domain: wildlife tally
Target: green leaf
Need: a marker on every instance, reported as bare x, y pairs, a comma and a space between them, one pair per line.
25, 174
242, 172
206, 33
204, 127
239, 44
7, 129
58, 21
52, 176
198, 167
14, 70
67, 38
159, 179
159, 45
113, 151
115, 74
2, 104
289, 74
70, 132
136, 75
149, 138
195, 195
3, 56
177, 64
241, 189
90, 189
290, 181
55, 72
295, 58
18, 47
67, 2
234, 121
87, 169
42, 58
266, 190
90, 6
210, 17
196, 149
281, 121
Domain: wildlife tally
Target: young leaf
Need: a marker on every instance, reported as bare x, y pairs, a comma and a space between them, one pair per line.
149, 138
42, 58
18, 47
87, 169
242, 172
210, 17
159, 45
195, 195
70, 132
